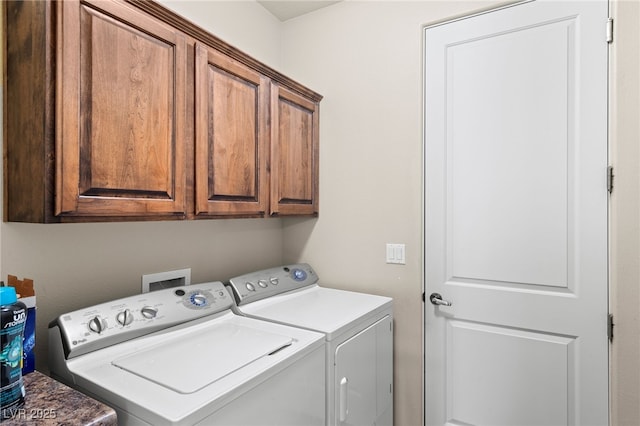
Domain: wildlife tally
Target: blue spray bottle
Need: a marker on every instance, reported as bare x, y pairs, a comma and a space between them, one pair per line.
14, 315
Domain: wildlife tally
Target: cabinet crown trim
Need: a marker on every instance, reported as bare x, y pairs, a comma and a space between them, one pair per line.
168, 16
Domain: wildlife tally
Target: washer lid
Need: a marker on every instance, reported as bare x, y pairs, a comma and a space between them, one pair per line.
189, 363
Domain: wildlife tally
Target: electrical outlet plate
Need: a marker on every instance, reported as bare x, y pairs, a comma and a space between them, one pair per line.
396, 253
168, 279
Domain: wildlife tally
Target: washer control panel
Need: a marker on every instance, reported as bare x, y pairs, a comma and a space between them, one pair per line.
110, 323
270, 282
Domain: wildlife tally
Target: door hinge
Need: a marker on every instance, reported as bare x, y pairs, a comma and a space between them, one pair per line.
610, 179
610, 325
610, 30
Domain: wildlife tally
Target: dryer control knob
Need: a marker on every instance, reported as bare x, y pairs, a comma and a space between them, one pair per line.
97, 324
250, 286
273, 280
149, 312
263, 283
125, 317
299, 275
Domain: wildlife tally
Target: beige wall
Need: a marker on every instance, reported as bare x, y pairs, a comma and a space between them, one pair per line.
242, 23
625, 212
365, 57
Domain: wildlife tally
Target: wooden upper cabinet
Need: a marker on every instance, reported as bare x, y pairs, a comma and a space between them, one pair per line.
294, 153
121, 112
231, 136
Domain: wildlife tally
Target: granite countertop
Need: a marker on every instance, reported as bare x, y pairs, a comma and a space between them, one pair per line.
49, 402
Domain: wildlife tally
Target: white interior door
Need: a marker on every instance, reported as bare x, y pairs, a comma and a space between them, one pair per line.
516, 216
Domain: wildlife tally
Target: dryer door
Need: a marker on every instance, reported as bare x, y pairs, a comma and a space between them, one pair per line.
364, 376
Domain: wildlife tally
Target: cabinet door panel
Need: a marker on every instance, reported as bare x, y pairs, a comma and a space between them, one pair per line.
121, 122
294, 154
231, 136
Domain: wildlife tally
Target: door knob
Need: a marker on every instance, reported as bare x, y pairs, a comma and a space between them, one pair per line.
437, 300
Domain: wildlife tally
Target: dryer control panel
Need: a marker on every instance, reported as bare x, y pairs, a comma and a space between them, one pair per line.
107, 324
270, 282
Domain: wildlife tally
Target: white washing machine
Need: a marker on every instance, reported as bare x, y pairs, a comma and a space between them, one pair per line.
180, 356
359, 336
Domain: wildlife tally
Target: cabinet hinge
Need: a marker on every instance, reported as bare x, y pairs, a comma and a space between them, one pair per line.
610, 179
610, 30
610, 325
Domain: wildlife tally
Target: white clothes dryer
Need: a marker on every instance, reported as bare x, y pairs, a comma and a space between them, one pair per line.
180, 356
358, 329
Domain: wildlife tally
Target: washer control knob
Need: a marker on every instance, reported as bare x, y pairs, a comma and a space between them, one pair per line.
149, 312
273, 280
97, 324
250, 286
125, 317
263, 283
199, 299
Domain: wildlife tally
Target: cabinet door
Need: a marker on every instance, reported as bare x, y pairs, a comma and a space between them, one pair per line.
121, 113
232, 104
294, 153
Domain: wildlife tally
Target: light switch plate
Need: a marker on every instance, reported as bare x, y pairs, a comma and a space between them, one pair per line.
396, 253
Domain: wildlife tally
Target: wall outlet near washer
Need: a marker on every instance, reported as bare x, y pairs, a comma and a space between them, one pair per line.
168, 279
